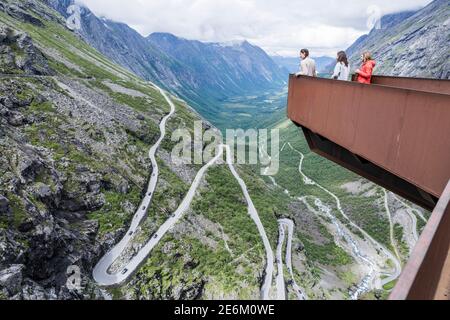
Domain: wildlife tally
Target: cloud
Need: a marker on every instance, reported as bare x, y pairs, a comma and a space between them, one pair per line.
278, 26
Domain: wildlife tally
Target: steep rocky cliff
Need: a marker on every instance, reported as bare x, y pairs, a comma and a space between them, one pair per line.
412, 44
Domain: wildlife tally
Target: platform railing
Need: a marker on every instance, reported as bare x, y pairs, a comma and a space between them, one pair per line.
420, 84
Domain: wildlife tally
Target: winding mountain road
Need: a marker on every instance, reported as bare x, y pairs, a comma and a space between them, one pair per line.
265, 290
412, 214
104, 277
280, 283
377, 245
414, 226
411, 209
286, 224
391, 225
101, 272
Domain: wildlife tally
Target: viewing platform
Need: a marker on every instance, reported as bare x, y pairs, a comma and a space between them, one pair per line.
396, 133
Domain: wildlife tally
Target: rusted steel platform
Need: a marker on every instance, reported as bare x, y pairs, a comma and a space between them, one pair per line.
394, 136
396, 133
427, 274
420, 84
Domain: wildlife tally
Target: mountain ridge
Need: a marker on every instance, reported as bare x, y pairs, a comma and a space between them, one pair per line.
231, 70
411, 43
293, 64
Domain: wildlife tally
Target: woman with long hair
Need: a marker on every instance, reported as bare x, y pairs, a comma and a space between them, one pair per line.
342, 69
366, 71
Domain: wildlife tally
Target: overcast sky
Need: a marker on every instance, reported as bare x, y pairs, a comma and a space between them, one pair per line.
278, 26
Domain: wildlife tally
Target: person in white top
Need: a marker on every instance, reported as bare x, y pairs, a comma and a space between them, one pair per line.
342, 69
307, 66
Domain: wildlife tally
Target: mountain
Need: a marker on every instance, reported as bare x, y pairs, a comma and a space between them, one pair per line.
224, 73
412, 44
232, 68
204, 74
292, 64
128, 48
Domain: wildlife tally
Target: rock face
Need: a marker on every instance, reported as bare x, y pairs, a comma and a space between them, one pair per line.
4, 205
51, 182
11, 278
18, 13
412, 44
19, 55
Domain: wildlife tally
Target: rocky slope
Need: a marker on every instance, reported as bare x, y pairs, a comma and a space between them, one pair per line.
413, 44
74, 132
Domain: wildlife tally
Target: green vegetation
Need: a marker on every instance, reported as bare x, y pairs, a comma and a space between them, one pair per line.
376, 295
365, 211
389, 286
260, 110
4, 223
19, 212
112, 215
55, 37
400, 242
48, 135
116, 293
153, 101
224, 203
46, 107
191, 263
327, 254
167, 197
348, 277
270, 205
